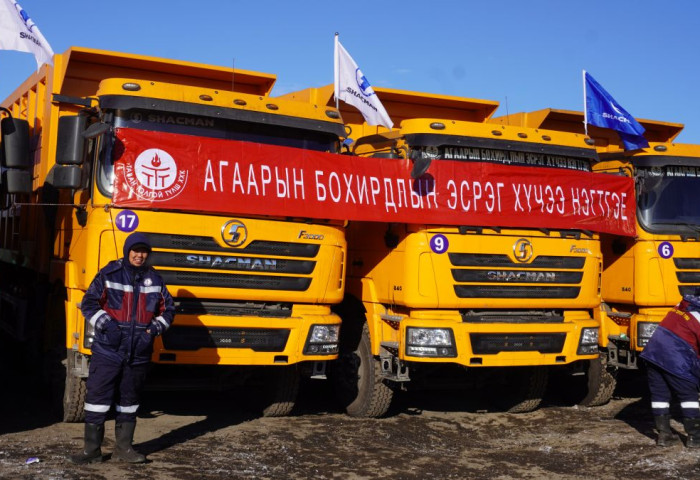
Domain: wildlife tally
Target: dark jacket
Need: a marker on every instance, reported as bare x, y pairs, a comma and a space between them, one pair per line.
131, 298
674, 345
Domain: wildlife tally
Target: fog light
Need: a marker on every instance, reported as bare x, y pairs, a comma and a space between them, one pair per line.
322, 340
644, 332
430, 342
588, 344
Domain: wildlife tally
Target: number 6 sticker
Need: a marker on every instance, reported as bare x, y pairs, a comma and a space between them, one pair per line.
439, 243
666, 250
127, 221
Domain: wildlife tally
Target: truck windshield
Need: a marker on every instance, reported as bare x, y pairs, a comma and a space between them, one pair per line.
668, 198
451, 147
282, 133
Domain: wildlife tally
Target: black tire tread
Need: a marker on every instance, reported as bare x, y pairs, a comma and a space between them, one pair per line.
601, 384
532, 392
74, 395
374, 396
284, 393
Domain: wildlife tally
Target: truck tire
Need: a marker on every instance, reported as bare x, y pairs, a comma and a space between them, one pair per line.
519, 389
74, 394
601, 383
54, 379
357, 378
280, 393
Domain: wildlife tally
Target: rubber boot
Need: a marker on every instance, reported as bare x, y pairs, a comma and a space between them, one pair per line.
92, 451
663, 425
124, 451
692, 428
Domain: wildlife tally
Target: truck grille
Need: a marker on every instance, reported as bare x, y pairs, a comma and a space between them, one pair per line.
688, 277
231, 262
192, 306
512, 316
482, 291
488, 343
260, 282
202, 262
495, 276
258, 247
194, 338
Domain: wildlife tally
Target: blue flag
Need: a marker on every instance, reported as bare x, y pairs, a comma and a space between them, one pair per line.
603, 111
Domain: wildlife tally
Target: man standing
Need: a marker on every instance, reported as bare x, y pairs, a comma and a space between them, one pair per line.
128, 305
673, 366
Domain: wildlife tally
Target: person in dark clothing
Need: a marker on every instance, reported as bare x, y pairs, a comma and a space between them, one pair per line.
128, 305
673, 364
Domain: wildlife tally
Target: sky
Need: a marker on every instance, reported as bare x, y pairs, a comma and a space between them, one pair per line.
526, 55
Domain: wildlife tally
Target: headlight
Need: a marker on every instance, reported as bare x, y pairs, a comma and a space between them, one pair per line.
644, 332
324, 334
322, 340
430, 342
89, 334
588, 345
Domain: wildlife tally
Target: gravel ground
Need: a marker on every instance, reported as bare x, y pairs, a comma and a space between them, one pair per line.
428, 434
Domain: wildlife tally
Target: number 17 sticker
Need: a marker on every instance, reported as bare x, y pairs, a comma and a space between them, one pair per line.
127, 221
439, 243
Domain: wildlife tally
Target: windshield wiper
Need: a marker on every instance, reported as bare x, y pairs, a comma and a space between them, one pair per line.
693, 226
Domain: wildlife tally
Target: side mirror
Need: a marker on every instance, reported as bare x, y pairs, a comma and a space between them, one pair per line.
70, 145
17, 181
420, 166
68, 176
15, 143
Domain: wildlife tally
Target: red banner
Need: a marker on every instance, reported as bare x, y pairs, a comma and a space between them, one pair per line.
181, 172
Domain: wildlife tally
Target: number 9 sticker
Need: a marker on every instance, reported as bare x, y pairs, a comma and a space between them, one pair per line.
665, 250
127, 221
439, 243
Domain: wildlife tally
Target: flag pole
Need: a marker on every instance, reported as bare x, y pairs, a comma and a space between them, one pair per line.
336, 72
585, 106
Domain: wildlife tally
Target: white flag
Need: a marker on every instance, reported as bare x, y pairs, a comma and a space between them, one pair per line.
352, 87
18, 32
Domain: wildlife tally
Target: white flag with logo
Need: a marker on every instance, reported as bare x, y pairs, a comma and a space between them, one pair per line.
352, 87
18, 32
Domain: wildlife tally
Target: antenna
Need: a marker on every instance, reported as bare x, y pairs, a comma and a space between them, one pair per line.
507, 112
233, 74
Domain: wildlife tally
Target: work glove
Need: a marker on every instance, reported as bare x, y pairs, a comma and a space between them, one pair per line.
156, 328
107, 331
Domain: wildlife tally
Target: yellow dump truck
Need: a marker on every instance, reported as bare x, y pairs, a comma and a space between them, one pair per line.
101, 144
645, 275
507, 304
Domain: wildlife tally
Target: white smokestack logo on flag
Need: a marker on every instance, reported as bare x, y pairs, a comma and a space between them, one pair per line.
351, 86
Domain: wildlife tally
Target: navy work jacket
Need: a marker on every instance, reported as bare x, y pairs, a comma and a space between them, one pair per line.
131, 298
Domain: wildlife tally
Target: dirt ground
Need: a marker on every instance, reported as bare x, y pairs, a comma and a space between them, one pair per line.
428, 434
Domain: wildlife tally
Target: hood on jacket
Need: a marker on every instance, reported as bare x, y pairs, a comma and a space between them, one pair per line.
693, 300
134, 240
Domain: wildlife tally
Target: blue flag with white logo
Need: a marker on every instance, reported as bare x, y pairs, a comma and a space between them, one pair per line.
603, 111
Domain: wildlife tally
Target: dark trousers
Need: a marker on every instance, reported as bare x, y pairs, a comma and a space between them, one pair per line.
117, 384
663, 386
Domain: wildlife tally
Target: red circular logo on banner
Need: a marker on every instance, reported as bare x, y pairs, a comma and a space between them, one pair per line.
154, 176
